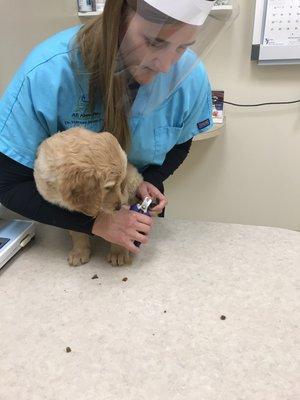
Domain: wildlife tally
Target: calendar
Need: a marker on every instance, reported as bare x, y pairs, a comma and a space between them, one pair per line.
282, 23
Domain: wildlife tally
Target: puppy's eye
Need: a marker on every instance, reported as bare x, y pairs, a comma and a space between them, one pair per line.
110, 186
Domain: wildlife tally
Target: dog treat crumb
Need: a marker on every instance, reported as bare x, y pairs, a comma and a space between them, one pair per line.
124, 279
223, 317
95, 276
68, 350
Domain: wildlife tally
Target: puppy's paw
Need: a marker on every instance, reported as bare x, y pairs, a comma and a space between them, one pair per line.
119, 256
79, 257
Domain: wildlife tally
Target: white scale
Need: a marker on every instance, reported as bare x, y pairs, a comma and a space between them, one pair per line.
14, 235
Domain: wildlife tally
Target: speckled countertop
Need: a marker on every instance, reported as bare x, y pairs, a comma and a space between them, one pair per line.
159, 334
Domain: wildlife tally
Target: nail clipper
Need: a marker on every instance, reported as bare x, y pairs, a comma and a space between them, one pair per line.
142, 209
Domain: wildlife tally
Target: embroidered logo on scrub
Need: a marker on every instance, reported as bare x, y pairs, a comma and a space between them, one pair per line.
81, 116
203, 124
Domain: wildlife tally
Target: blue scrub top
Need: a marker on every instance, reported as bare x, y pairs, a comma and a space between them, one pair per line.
46, 95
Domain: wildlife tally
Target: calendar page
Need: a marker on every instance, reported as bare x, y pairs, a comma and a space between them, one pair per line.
282, 26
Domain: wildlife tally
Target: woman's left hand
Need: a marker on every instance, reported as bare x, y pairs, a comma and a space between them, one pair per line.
146, 189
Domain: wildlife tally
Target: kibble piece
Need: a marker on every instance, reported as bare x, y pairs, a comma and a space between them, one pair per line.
223, 317
68, 350
124, 279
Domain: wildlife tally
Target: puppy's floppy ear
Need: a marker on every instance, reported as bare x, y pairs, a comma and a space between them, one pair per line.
132, 181
81, 190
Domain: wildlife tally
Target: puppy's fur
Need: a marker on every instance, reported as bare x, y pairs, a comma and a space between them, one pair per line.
87, 172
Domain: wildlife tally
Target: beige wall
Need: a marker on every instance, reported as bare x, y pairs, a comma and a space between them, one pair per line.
247, 175
26, 23
250, 174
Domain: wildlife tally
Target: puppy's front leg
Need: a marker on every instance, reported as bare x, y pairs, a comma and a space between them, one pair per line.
119, 256
81, 252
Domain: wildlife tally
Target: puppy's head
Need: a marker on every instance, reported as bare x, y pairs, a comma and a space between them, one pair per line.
82, 171
90, 191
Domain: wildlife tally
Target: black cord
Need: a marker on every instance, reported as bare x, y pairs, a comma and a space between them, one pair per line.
261, 104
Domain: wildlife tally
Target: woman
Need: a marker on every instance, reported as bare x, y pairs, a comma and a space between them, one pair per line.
128, 72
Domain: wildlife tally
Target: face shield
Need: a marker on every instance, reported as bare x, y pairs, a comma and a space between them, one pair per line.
161, 44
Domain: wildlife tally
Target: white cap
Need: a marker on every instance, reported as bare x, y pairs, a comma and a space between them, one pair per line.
192, 12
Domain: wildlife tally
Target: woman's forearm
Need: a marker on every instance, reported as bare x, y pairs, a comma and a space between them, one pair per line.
157, 174
18, 193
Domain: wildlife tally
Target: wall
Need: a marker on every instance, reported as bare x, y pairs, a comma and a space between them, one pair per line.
250, 173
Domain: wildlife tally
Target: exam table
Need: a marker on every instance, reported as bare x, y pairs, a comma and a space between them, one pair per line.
207, 311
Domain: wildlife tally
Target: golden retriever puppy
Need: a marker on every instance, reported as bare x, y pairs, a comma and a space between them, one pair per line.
88, 172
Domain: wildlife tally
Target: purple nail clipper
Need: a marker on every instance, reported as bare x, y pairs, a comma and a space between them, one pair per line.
142, 209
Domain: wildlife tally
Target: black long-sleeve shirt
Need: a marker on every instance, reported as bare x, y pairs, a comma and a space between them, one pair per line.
18, 191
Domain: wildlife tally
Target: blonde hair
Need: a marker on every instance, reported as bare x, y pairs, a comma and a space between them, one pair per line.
98, 43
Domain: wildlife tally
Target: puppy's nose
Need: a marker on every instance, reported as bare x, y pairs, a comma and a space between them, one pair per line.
118, 206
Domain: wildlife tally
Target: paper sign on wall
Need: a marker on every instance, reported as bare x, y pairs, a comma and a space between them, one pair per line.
282, 24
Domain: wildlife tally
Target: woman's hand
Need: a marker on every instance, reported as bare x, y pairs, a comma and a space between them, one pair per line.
123, 227
146, 189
